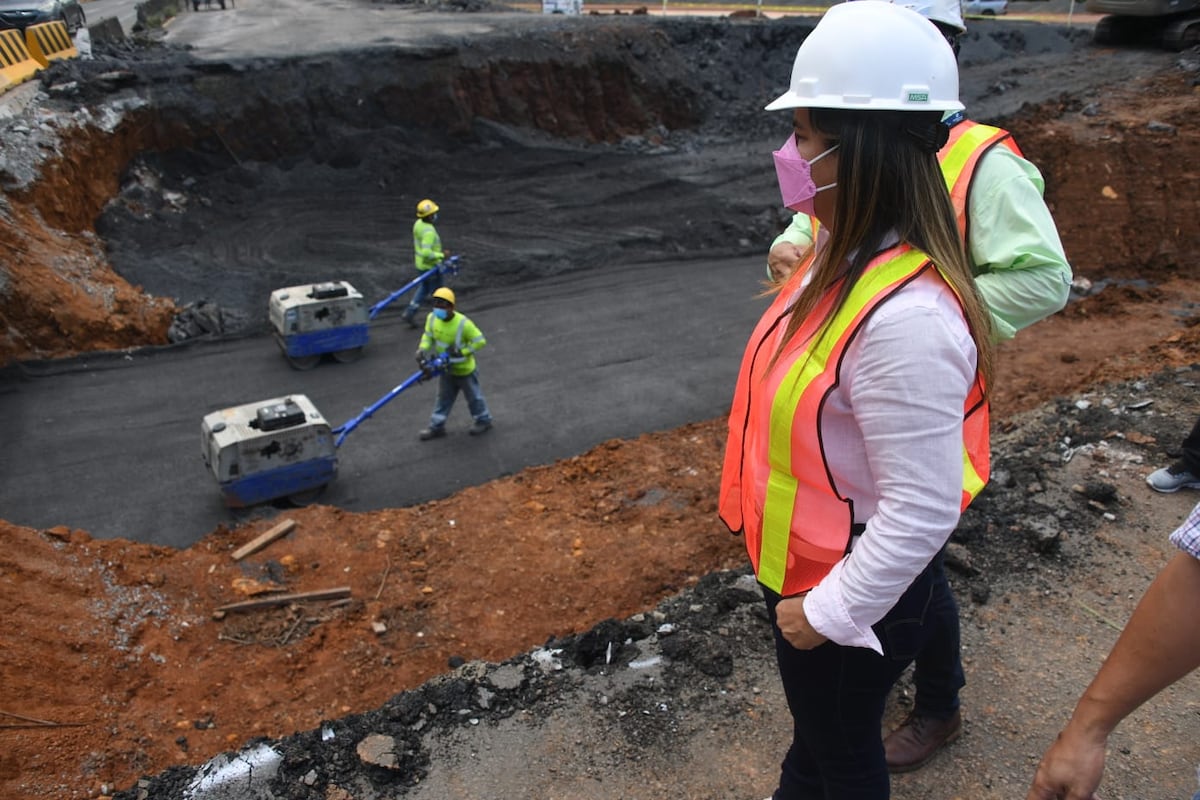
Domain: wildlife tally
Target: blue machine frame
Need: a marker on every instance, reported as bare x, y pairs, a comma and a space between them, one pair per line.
290, 480
345, 342
429, 369
300, 345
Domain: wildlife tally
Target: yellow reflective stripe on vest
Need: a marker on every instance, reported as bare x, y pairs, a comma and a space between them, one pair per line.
977, 469
781, 483
973, 483
969, 141
956, 154
779, 504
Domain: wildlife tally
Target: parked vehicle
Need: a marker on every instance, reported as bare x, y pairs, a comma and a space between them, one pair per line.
20, 14
985, 8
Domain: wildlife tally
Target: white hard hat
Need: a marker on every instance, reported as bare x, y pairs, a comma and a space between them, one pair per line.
945, 11
873, 55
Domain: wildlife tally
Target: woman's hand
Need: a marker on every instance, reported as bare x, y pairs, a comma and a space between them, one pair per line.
793, 624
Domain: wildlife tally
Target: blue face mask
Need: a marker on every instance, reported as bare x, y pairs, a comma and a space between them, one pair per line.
441, 313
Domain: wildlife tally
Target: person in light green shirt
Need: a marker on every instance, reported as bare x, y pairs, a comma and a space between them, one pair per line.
1013, 245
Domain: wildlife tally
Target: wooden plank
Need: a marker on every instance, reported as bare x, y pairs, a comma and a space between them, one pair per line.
284, 599
261, 541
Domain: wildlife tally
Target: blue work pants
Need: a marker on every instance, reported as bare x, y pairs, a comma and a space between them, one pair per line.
422, 291
448, 388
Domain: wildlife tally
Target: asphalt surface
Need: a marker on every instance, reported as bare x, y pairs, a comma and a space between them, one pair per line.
110, 444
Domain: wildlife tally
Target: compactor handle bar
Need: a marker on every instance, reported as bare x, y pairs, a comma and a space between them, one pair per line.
430, 368
447, 267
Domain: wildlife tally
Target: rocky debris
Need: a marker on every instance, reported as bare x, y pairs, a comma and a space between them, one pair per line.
382, 753
203, 319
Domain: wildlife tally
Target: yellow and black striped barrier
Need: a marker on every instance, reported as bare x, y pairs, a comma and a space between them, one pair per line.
16, 63
49, 41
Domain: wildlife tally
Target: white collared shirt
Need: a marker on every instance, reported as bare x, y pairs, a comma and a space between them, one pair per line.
892, 430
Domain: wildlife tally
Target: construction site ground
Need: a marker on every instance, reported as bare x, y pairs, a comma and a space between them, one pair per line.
582, 628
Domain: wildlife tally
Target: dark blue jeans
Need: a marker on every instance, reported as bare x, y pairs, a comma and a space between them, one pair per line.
837, 696
938, 672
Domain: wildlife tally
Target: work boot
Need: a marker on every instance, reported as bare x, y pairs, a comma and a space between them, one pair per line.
1173, 478
431, 433
480, 427
918, 739
410, 317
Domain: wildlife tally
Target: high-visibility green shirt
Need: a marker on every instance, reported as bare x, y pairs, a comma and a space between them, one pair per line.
427, 246
457, 332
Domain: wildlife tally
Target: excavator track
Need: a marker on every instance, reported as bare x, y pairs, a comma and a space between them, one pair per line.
1169, 24
1182, 34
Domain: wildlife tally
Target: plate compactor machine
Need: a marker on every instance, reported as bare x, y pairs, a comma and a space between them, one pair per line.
283, 447
315, 319
310, 321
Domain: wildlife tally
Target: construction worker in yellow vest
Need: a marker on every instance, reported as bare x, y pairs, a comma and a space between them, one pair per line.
858, 430
1021, 271
449, 333
427, 255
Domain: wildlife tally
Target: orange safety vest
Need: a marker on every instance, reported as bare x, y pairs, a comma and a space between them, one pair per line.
776, 487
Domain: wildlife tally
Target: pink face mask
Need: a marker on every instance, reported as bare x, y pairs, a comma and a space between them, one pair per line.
795, 180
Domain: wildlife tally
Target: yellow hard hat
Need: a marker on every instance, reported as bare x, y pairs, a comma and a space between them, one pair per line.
444, 294
425, 208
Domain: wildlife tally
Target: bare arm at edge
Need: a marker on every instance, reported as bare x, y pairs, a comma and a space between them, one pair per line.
1159, 645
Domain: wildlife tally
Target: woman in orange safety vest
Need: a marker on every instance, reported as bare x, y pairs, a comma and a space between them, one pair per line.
858, 430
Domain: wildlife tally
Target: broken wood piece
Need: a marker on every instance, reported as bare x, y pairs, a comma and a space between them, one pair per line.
259, 542
34, 722
29, 719
284, 599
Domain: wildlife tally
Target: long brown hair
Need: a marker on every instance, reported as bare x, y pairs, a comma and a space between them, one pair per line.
889, 179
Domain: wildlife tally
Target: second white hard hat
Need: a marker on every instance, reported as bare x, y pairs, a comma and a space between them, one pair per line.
873, 55
946, 11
